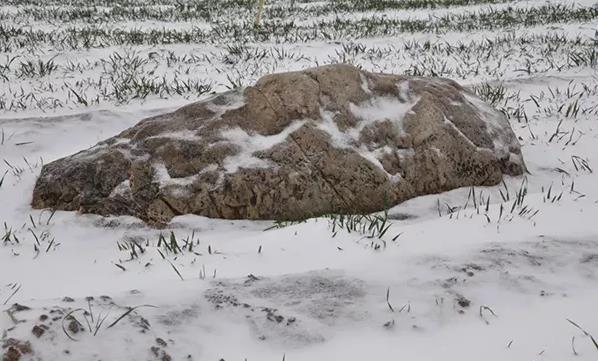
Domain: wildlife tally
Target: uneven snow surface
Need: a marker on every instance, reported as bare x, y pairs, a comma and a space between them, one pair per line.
499, 273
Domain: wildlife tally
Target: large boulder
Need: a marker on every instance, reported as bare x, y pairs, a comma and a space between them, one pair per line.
332, 139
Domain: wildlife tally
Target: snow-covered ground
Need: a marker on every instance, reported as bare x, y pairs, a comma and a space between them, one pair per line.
497, 273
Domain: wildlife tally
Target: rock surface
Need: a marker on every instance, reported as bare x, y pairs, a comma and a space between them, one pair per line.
332, 139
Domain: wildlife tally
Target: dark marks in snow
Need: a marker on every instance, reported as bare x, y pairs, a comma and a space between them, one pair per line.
291, 308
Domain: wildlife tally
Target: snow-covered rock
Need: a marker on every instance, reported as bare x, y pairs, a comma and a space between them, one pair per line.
331, 139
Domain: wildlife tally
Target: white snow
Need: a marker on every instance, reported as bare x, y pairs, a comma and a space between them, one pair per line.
164, 178
248, 144
122, 189
493, 122
380, 109
526, 269
180, 135
375, 110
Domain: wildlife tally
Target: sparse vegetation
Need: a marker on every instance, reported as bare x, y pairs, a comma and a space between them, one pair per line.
585, 333
535, 62
42, 45
94, 322
170, 249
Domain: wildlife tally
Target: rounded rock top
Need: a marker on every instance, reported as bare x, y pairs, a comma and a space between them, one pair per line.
330, 139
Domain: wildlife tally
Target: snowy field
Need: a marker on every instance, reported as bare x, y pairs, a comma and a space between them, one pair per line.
500, 273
